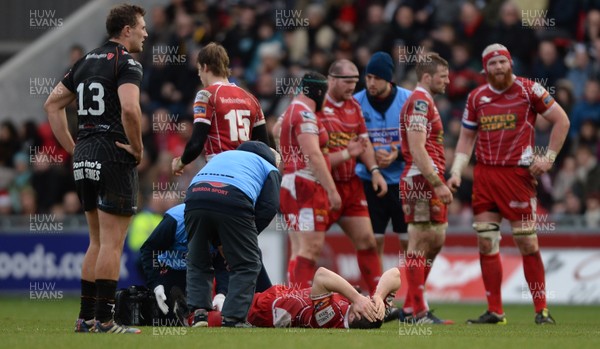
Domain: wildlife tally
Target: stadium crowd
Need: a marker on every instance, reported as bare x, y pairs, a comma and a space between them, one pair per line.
555, 43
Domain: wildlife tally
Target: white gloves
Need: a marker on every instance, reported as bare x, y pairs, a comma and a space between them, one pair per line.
218, 301
159, 293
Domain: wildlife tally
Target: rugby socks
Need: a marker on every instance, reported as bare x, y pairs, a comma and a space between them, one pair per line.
427, 268
491, 272
370, 267
88, 300
304, 272
290, 271
533, 267
408, 307
105, 299
415, 275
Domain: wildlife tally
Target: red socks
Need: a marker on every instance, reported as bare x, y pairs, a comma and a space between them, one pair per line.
304, 272
533, 267
290, 271
415, 275
370, 267
491, 271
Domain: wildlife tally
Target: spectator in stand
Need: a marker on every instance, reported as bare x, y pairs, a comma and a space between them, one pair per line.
9, 143
403, 29
580, 70
592, 211
565, 179
549, 65
586, 109
588, 172
375, 29
463, 78
241, 40
519, 39
472, 28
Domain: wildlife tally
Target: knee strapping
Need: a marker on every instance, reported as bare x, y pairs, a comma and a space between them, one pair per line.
491, 232
433, 227
523, 231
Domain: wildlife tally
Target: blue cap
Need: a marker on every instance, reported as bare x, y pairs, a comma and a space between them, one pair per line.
381, 65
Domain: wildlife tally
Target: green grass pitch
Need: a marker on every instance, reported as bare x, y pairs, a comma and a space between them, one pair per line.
28, 323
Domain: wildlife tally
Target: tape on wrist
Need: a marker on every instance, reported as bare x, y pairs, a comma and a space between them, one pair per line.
346, 154
461, 161
433, 179
551, 155
374, 168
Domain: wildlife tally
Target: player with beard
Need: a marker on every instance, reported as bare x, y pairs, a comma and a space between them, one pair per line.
349, 141
423, 191
499, 119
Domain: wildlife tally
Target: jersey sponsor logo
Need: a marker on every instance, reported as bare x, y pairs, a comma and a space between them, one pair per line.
518, 204
384, 136
95, 56
232, 100
350, 111
498, 122
202, 96
547, 99
324, 316
420, 106
340, 139
308, 127
87, 169
199, 110
308, 115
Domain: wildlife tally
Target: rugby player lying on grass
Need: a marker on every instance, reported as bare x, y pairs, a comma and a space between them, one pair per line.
331, 302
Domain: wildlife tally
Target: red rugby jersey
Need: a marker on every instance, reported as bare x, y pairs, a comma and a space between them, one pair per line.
232, 113
419, 114
505, 121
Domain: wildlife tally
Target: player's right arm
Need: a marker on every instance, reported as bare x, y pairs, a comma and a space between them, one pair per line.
416, 134
203, 111
309, 143
57, 117
131, 117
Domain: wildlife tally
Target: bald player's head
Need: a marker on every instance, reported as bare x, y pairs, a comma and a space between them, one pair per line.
342, 78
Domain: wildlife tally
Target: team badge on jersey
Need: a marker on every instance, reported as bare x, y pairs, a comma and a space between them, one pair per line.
202, 96
538, 90
308, 115
420, 106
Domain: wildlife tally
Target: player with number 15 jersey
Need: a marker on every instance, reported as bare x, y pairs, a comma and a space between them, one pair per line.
224, 114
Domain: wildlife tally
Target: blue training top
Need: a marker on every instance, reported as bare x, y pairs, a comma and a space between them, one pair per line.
249, 177
384, 131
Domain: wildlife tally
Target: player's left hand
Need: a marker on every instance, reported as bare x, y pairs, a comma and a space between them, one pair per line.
385, 158
379, 184
540, 165
356, 146
380, 306
363, 307
177, 166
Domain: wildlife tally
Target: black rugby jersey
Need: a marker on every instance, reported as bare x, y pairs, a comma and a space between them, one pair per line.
95, 79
